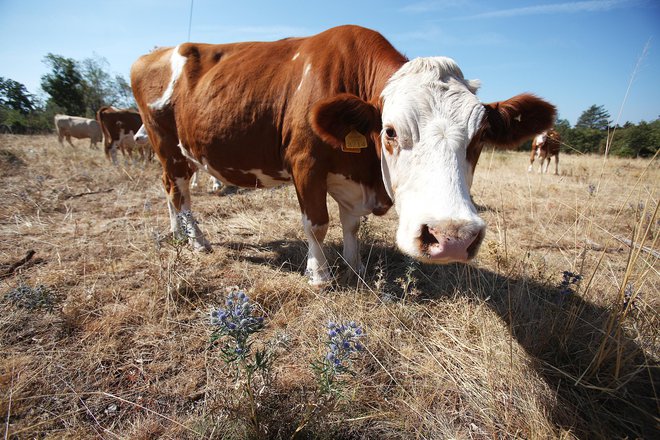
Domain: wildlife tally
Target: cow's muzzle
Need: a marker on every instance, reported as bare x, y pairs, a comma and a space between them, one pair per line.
451, 242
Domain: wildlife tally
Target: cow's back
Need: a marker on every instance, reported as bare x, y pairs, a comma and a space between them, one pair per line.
246, 105
234, 95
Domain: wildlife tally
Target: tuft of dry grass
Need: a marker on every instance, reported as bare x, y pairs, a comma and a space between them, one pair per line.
492, 349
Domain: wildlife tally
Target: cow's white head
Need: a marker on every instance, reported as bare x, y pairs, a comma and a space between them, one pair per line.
429, 128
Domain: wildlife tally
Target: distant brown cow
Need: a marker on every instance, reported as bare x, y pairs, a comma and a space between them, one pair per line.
116, 124
77, 127
544, 146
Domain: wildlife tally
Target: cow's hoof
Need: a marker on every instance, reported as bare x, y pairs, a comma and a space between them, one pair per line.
318, 281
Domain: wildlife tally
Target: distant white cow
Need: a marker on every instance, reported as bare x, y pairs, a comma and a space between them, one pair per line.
79, 128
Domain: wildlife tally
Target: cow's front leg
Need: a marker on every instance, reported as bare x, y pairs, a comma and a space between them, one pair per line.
317, 269
182, 221
311, 189
350, 224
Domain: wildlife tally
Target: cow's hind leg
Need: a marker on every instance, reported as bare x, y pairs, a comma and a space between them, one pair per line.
176, 182
556, 164
182, 221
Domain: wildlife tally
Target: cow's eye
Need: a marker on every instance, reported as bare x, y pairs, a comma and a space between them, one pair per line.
390, 133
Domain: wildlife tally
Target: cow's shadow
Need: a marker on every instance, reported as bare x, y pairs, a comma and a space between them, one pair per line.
565, 335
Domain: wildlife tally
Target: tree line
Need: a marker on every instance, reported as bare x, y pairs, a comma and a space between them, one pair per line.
594, 133
77, 88
80, 88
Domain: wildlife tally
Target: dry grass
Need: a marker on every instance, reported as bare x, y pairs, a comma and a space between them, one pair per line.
118, 347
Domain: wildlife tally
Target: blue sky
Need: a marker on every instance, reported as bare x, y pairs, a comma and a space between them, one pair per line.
573, 53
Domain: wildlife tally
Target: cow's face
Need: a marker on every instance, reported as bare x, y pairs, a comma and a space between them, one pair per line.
429, 135
430, 117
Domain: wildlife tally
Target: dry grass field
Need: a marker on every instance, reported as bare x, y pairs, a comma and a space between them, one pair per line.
105, 331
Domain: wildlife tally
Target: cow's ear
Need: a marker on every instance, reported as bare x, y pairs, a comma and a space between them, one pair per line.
333, 118
509, 123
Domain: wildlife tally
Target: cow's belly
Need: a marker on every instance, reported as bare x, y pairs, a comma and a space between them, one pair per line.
248, 174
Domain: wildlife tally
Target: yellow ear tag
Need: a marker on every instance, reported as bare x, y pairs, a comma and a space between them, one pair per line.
354, 142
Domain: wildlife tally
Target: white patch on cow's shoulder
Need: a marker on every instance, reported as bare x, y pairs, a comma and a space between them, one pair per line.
355, 198
308, 68
295, 57
177, 62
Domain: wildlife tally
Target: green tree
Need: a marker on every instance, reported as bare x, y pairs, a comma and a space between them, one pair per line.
642, 140
585, 140
595, 117
123, 93
14, 96
64, 84
100, 88
16, 104
97, 84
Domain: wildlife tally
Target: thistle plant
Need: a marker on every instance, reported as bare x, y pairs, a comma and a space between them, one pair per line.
592, 189
630, 297
569, 280
343, 346
31, 298
234, 325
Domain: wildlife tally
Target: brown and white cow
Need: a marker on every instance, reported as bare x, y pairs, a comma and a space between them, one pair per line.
77, 127
117, 124
341, 112
544, 146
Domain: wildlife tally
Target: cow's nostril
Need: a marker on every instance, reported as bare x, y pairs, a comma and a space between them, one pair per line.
427, 237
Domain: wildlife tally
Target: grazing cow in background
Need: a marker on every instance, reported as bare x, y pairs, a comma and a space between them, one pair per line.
115, 124
130, 142
216, 184
544, 146
341, 112
77, 127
